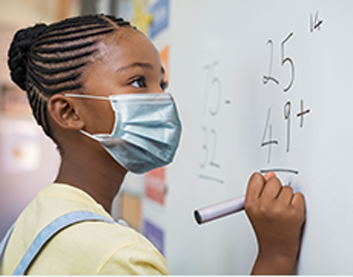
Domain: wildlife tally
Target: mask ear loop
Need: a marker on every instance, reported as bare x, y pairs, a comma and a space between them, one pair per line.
86, 96
95, 136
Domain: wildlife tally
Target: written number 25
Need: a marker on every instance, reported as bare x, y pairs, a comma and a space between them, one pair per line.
284, 60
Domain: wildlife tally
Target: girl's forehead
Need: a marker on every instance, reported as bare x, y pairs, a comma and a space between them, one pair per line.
120, 54
128, 44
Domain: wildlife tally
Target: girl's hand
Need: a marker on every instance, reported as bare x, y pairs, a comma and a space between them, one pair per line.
277, 216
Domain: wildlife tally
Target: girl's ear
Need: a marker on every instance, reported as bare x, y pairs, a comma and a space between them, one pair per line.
62, 111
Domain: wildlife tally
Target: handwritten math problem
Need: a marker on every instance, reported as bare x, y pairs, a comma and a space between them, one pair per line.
268, 139
211, 108
280, 72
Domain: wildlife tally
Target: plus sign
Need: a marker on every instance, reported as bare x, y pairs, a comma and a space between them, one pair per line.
302, 113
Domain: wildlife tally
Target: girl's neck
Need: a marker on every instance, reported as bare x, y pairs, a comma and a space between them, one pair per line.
100, 179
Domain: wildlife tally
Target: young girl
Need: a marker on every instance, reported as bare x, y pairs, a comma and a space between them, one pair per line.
96, 86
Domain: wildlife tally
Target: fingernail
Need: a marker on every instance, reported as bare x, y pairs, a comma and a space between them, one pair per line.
269, 175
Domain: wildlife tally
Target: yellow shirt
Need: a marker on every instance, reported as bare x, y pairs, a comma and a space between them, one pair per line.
86, 248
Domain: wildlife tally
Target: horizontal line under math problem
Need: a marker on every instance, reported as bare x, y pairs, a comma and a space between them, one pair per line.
285, 170
209, 178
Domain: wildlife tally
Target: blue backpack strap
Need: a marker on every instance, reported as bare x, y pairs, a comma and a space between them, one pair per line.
4, 242
50, 230
122, 222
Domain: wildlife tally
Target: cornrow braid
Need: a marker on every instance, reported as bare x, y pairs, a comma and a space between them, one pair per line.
46, 60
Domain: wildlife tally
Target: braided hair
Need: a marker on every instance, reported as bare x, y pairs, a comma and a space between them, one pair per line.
48, 59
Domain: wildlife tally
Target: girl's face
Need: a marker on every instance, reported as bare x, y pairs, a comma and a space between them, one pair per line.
127, 63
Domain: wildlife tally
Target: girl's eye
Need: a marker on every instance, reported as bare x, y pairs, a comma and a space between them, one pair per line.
139, 82
164, 85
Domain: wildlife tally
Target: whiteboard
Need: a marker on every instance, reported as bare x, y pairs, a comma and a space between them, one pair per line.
261, 85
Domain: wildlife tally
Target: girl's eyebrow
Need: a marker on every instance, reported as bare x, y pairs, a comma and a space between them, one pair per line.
136, 64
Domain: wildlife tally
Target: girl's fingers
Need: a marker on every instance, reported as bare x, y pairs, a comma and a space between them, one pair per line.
255, 187
272, 189
286, 195
269, 175
299, 202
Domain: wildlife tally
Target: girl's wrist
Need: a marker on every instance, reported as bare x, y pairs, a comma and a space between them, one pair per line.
274, 264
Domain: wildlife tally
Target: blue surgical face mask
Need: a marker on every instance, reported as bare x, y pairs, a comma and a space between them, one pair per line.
146, 131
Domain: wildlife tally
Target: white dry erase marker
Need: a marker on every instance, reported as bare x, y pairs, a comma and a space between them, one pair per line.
219, 210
